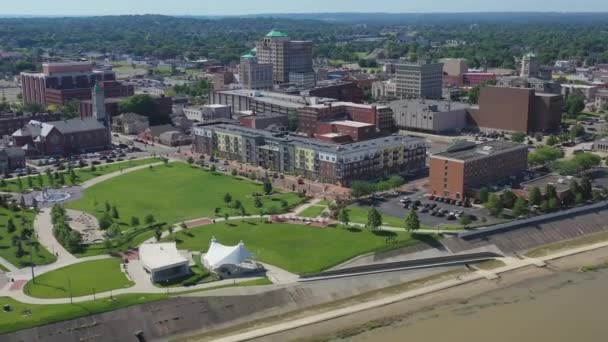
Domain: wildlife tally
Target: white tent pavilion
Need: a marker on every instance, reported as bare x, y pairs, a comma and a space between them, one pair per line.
163, 261
219, 255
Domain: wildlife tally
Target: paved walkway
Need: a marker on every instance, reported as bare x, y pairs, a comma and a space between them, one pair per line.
297, 211
511, 264
94, 181
6, 264
43, 227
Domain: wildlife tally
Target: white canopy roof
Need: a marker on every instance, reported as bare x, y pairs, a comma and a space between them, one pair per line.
219, 255
159, 256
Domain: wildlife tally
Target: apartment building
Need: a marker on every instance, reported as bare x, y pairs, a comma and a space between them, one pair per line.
422, 79
466, 166
324, 161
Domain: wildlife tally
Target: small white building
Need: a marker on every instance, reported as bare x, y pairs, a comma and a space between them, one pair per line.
229, 260
163, 261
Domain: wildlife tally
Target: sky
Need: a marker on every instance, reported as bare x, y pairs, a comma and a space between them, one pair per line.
218, 7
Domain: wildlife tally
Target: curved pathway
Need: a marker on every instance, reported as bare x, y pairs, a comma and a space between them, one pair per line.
94, 181
43, 226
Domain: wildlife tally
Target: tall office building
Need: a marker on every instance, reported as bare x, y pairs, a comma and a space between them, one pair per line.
422, 79
60, 82
255, 75
290, 59
529, 65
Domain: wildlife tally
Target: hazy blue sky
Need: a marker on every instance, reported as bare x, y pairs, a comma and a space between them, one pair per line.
211, 7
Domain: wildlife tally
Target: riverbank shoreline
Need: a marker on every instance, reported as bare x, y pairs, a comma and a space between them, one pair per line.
382, 315
385, 316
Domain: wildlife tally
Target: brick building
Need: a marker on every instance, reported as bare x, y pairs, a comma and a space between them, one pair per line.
60, 82
465, 167
11, 158
10, 122
517, 110
310, 117
63, 137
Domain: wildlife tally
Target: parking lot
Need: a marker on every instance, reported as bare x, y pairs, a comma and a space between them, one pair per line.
392, 207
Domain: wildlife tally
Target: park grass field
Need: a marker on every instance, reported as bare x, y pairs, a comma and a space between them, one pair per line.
358, 215
82, 175
296, 248
313, 211
175, 193
8, 251
23, 316
81, 279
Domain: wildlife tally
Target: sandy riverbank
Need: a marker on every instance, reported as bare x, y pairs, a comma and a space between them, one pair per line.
357, 323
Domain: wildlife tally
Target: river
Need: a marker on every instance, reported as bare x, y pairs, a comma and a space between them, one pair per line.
566, 307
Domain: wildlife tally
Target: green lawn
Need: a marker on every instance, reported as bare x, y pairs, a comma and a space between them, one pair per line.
84, 279
23, 316
313, 211
296, 248
82, 174
9, 252
175, 193
358, 215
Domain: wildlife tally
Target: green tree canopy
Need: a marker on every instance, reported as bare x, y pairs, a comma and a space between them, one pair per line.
145, 105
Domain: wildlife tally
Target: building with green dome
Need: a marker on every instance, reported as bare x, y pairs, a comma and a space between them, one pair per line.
289, 58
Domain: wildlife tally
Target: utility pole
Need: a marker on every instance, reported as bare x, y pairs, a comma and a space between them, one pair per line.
32, 261
70, 287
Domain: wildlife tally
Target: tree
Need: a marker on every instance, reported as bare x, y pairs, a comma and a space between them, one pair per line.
19, 184
586, 188
158, 234
72, 176
474, 94
10, 226
535, 196
22, 202
149, 219
412, 223
105, 221
494, 205
576, 131
484, 194
508, 199
40, 180
574, 105
115, 212
518, 137
190, 161
34, 203
257, 202
134, 221
30, 182
374, 219
108, 207
465, 220
344, 217
234, 172
520, 208
543, 155
552, 140
145, 105
226, 217
267, 186
212, 168
227, 198
362, 188
550, 192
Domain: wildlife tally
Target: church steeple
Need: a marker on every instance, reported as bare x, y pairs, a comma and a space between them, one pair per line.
99, 105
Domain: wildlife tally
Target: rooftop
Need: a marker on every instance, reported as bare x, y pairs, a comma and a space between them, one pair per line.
561, 183
160, 255
275, 34
467, 150
351, 123
275, 98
